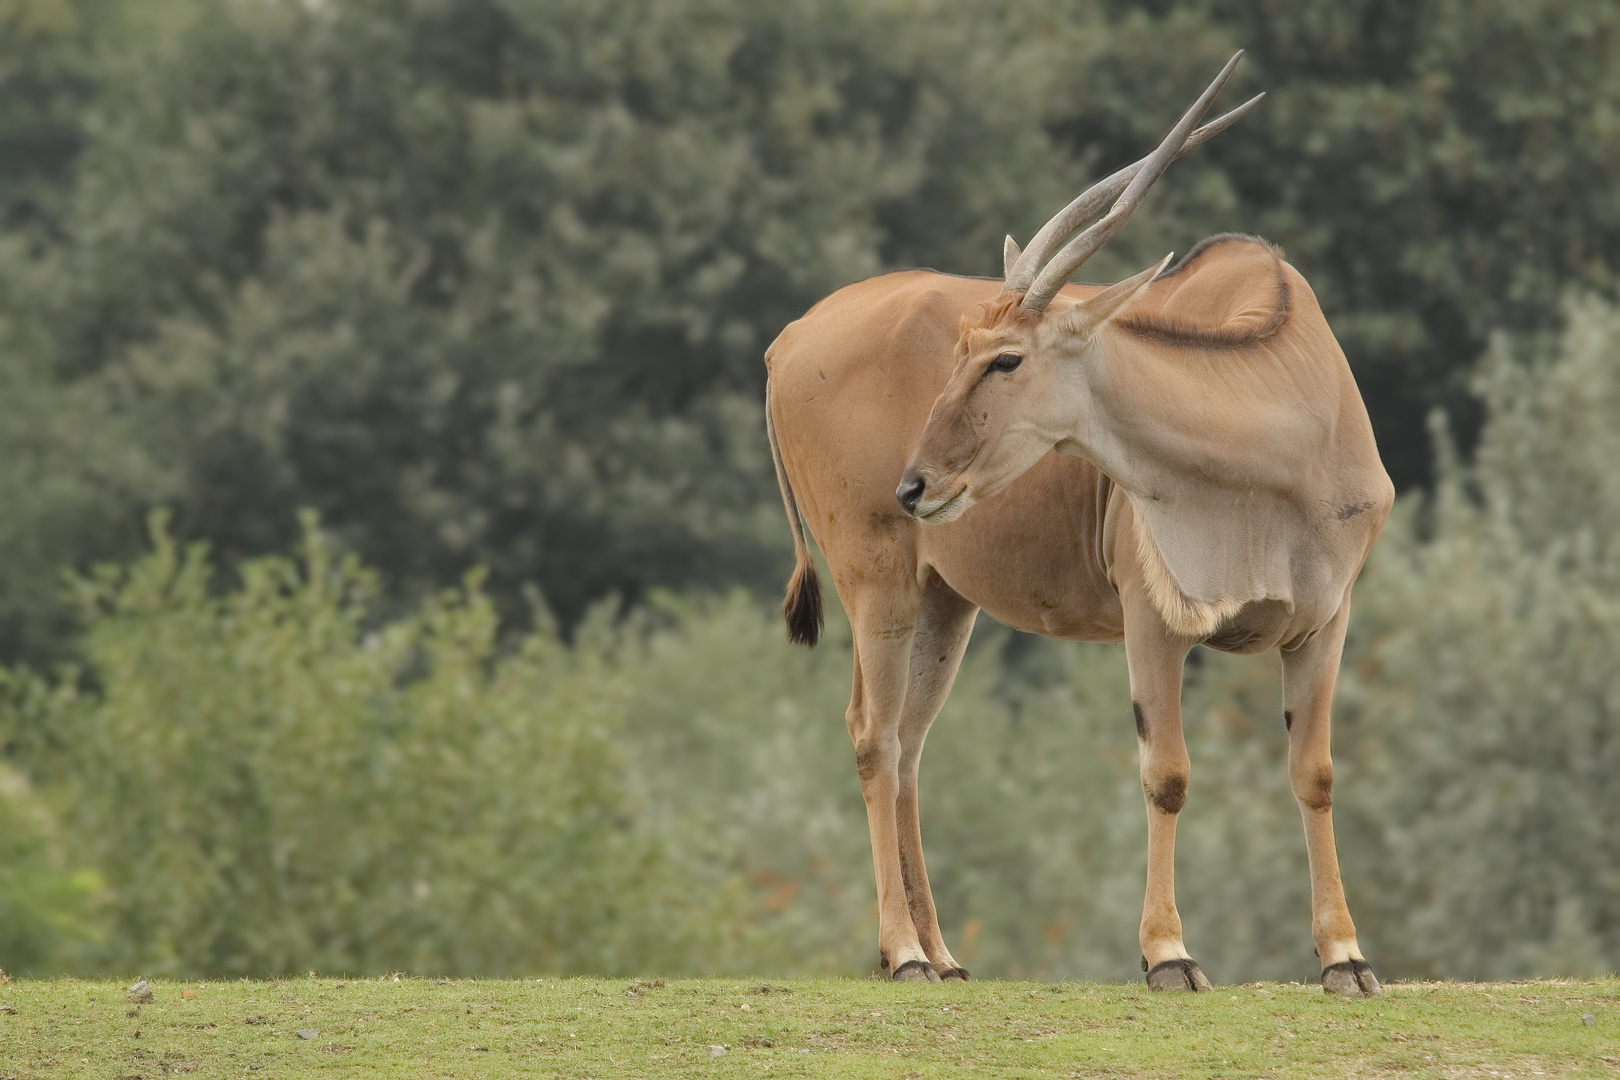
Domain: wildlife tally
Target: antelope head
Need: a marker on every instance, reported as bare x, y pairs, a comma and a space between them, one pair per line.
1020, 362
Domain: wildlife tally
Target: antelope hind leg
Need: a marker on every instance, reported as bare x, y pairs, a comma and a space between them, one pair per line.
1309, 675
883, 636
944, 624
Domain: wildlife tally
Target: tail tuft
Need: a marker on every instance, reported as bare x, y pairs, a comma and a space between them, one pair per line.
801, 607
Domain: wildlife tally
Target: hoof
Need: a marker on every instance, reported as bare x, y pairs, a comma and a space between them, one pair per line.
1177, 975
916, 971
957, 974
1350, 978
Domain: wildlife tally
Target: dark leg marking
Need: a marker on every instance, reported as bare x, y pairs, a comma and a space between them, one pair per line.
1320, 797
1350, 978
1176, 975
1141, 721
868, 759
1288, 721
916, 971
1171, 794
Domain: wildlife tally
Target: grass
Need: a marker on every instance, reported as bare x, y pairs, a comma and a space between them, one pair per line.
799, 1028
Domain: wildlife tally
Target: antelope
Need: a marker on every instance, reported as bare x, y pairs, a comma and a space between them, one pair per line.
1180, 458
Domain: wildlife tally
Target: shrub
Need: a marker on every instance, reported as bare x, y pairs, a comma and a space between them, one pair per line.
268, 783
268, 778
45, 907
1483, 692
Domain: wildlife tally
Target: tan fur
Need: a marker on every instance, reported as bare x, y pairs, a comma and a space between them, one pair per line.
1170, 461
1229, 320
1187, 617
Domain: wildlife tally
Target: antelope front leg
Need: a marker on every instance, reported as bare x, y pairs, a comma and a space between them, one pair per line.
1155, 656
1309, 674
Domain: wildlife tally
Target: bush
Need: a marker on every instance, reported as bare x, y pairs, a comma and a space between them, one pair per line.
1483, 691
268, 779
45, 908
270, 784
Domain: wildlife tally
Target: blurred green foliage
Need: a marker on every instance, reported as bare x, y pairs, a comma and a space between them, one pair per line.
267, 784
267, 778
1437, 172
490, 283
43, 84
487, 281
46, 908
1484, 695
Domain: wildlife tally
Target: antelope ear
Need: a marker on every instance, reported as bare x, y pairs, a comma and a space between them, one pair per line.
1009, 256
1094, 311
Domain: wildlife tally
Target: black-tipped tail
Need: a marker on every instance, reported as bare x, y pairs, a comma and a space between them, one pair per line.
801, 607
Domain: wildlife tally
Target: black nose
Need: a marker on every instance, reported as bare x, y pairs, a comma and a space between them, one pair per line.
910, 491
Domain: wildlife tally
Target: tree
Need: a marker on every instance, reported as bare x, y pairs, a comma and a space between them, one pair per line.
489, 283
44, 81
265, 784
1483, 699
1438, 171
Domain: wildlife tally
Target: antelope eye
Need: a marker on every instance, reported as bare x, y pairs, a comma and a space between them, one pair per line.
1006, 361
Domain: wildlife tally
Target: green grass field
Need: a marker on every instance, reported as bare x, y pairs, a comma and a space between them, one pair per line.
812, 1027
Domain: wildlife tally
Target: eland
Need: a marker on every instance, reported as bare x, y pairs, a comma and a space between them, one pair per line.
1181, 458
